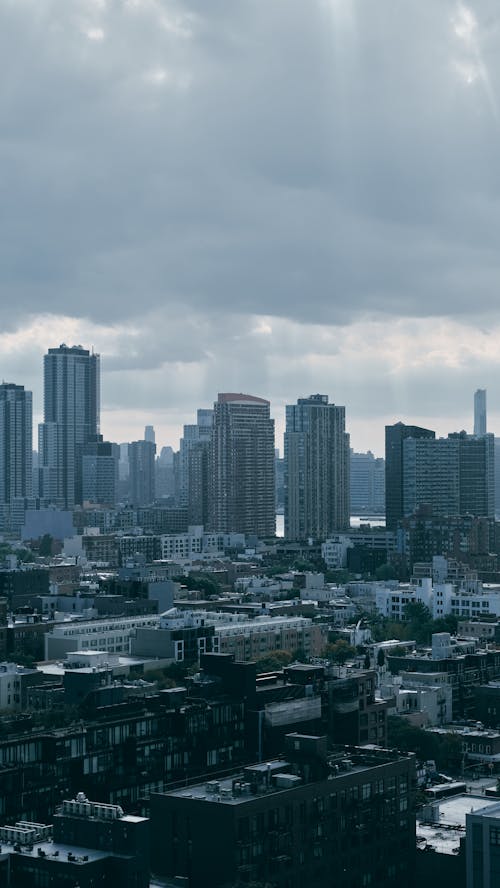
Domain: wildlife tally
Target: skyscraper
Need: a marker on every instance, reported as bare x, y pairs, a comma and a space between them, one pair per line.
141, 456
241, 477
452, 476
16, 443
100, 472
71, 420
149, 434
316, 469
431, 475
480, 412
193, 450
394, 437
367, 484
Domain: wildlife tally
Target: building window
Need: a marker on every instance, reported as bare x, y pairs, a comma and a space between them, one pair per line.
494, 835
179, 650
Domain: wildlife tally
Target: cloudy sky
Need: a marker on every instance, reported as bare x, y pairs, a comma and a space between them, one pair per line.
272, 196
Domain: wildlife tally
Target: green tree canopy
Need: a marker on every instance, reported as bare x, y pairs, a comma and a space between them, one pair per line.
339, 651
274, 662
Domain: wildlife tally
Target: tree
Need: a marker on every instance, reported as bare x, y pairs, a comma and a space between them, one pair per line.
367, 663
274, 662
25, 555
201, 583
339, 651
445, 749
45, 548
386, 572
380, 658
419, 622
300, 655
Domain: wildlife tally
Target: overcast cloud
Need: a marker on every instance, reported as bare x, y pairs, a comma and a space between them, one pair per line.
277, 196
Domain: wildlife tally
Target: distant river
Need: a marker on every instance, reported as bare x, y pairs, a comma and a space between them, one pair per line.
356, 521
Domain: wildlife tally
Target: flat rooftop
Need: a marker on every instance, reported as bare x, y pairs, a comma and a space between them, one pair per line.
56, 851
444, 835
267, 774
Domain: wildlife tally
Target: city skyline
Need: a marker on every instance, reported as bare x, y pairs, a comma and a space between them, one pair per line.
201, 201
166, 427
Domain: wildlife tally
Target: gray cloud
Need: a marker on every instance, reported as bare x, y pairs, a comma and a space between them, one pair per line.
177, 168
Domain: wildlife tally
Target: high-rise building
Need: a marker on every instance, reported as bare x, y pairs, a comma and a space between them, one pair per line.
241, 466
149, 434
100, 472
71, 420
316, 469
193, 455
164, 469
431, 475
477, 474
141, 455
367, 484
394, 437
497, 475
16, 443
450, 476
280, 480
480, 412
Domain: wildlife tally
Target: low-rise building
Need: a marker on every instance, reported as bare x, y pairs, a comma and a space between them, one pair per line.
89, 843
112, 635
14, 683
483, 846
248, 638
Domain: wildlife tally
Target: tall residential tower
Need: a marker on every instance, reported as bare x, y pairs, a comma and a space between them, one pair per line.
395, 435
16, 443
71, 420
241, 475
480, 413
316, 469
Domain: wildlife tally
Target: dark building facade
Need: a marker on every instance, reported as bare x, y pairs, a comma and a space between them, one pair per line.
16, 443
118, 753
466, 672
89, 844
394, 437
141, 455
302, 819
100, 472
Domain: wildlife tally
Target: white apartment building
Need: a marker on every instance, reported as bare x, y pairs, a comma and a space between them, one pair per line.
11, 685
423, 702
188, 546
441, 598
334, 551
111, 635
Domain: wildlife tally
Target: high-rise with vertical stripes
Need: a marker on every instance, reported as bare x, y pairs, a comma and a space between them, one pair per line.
16, 443
71, 420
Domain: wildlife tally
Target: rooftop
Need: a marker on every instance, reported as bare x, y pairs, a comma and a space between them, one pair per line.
62, 853
445, 833
279, 775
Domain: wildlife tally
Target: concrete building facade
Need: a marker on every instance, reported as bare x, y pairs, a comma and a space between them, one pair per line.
242, 479
316, 469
